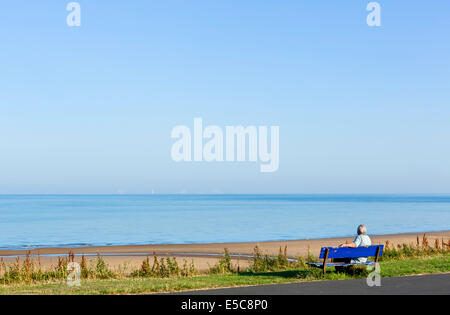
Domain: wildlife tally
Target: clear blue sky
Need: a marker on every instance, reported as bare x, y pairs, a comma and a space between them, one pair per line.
90, 109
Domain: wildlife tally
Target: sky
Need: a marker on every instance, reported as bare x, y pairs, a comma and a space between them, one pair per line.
90, 109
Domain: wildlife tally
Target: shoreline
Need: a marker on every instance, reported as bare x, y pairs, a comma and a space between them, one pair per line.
203, 255
237, 248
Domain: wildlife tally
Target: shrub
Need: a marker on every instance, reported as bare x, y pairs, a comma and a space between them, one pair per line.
224, 265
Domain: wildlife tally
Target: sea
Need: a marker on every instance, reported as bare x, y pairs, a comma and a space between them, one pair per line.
37, 221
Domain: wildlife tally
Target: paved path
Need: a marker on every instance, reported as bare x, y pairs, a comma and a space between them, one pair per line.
427, 284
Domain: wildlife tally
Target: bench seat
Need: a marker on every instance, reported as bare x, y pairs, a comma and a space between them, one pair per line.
337, 264
348, 253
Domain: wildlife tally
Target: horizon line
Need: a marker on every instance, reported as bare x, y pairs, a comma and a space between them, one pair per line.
216, 194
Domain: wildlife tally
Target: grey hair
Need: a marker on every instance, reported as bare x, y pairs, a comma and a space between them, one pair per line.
362, 229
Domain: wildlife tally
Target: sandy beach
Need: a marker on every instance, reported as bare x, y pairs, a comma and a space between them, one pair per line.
205, 255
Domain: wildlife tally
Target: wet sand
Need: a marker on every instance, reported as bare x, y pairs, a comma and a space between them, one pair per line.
203, 254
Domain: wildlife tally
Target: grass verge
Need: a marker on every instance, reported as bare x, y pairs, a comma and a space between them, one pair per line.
389, 268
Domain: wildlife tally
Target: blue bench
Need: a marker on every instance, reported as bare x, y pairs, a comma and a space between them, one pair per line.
348, 253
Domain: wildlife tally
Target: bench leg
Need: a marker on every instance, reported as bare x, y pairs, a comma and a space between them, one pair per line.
325, 262
377, 255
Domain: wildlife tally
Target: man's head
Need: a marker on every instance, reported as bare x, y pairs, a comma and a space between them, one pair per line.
362, 229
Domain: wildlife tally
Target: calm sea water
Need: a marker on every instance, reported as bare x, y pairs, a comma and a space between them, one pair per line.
80, 220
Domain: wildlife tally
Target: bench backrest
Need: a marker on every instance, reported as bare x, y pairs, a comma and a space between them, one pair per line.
347, 252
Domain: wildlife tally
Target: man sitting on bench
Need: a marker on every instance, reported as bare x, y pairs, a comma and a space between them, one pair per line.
357, 253
362, 239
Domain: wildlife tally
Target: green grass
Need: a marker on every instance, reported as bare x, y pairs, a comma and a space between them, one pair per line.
389, 268
412, 266
165, 275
